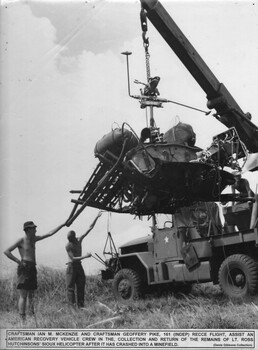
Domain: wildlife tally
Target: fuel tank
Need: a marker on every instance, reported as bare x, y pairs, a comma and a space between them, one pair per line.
114, 140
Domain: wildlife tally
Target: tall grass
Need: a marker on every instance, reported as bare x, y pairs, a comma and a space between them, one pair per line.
205, 308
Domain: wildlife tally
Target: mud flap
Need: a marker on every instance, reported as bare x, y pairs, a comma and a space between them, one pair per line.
190, 257
107, 275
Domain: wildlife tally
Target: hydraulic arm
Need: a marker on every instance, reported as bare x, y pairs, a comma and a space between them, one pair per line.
228, 111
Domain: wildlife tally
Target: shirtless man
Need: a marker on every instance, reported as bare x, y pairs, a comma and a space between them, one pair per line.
242, 186
27, 273
75, 274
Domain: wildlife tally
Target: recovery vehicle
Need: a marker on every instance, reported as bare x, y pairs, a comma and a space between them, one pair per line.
166, 174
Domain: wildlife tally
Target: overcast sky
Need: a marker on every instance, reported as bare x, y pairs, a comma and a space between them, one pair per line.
63, 86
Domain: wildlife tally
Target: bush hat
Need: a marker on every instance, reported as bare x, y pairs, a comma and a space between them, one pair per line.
28, 224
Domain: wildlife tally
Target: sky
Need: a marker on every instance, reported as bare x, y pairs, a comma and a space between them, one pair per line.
64, 85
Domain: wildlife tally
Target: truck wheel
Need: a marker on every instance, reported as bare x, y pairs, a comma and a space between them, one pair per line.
127, 285
238, 276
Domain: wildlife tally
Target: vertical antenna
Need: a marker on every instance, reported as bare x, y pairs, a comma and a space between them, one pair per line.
127, 53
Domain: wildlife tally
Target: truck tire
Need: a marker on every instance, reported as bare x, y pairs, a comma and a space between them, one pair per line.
127, 285
238, 276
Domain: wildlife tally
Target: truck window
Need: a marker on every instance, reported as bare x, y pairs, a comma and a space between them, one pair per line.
164, 221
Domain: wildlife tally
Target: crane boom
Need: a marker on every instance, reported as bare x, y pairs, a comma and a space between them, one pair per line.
228, 111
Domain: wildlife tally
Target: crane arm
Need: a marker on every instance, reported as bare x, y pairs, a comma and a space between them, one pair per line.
228, 111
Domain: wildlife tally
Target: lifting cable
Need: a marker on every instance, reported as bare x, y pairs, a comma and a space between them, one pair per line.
113, 251
112, 246
108, 222
143, 18
146, 43
109, 240
108, 236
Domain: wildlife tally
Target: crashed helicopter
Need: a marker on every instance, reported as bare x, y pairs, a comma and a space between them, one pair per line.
161, 172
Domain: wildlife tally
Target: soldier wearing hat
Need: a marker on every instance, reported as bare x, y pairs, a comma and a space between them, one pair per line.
27, 273
242, 185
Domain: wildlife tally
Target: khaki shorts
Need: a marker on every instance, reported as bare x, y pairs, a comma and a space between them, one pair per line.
27, 276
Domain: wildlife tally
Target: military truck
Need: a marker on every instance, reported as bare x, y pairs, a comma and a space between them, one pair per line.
169, 256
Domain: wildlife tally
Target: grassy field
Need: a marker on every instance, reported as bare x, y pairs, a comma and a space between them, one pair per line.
205, 308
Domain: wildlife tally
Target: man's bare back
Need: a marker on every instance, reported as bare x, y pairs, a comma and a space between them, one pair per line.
74, 249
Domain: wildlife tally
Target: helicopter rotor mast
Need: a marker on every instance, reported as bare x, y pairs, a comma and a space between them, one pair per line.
149, 94
228, 111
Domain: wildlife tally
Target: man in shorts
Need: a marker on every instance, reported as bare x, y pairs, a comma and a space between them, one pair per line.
27, 272
75, 276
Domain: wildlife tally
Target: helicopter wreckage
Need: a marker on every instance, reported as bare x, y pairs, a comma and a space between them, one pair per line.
161, 172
